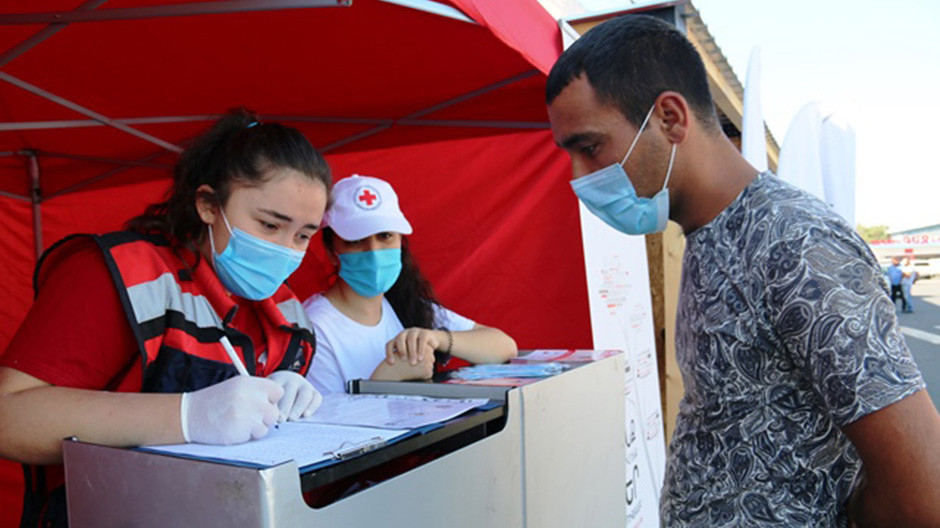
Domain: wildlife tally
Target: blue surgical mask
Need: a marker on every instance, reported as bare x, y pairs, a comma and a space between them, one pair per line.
370, 273
609, 194
251, 267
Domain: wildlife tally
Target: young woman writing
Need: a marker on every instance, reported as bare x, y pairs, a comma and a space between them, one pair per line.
126, 342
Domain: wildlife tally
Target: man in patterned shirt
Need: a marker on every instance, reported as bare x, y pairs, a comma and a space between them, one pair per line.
800, 391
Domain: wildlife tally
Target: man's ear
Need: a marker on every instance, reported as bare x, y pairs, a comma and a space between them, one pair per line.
675, 116
207, 204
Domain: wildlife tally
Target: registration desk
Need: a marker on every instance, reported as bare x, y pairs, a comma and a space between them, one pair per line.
549, 454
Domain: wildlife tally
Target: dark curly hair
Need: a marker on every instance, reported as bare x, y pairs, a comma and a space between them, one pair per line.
237, 149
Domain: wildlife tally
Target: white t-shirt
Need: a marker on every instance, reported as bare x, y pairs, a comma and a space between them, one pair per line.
910, 273
348, 350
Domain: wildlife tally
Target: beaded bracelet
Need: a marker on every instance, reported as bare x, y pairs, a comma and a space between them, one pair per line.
450, 341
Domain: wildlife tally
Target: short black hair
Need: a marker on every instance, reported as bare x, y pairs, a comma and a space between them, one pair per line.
629, 61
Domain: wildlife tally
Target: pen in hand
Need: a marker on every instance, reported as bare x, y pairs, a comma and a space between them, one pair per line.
236, 360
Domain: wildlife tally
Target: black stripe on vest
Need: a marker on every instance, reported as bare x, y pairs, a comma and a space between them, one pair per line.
174, 319
176, 371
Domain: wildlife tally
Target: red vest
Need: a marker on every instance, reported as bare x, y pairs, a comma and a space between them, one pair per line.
178, 311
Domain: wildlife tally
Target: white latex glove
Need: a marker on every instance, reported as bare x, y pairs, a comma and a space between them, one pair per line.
300, 398
231, 412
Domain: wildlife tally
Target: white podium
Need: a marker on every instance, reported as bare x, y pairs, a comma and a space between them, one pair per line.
556, 461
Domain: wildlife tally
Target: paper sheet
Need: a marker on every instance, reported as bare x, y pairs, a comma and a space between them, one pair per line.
525, 370
389, 410
564, 356
307, 443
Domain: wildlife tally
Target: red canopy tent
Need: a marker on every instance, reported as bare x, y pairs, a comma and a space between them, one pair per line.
445, 100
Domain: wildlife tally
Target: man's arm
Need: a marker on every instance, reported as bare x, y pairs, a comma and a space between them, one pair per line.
900, 450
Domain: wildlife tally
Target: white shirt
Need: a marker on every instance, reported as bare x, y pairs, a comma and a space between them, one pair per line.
348, 350
910, 272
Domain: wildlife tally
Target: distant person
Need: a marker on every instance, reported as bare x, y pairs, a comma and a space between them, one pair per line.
803, 406
380, 319
895, 275
908, 278
123, 345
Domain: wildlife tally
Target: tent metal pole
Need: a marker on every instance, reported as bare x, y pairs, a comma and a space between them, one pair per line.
440, 106
329, 119
104, 175
470, 95
468, 123
82, 123
85, 111
51, 125
86, 123
355, 137
107, 161
42, 35
15, 196
161, 11
463, 123
32, 164
160, 120
436, 8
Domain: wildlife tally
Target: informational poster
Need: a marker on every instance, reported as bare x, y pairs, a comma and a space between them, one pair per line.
621, 318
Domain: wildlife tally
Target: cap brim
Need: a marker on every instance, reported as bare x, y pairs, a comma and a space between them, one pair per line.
367, 226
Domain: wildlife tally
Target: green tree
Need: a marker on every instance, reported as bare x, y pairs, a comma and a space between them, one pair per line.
869, 233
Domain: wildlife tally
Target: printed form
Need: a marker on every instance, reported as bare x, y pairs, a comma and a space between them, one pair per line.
345, 425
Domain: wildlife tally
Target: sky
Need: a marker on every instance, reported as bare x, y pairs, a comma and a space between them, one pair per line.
875, 64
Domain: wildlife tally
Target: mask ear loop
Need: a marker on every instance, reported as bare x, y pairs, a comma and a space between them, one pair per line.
212, 242
224, 219
637, 138
212, 238
672, 158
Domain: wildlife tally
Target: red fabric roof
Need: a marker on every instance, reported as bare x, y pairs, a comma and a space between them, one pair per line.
451, 112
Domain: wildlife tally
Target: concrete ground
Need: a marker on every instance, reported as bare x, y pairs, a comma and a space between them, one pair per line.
921, 330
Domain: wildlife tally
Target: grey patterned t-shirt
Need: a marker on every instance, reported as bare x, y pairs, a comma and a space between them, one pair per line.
785, 333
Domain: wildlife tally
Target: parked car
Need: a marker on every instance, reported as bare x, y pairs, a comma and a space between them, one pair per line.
926, 268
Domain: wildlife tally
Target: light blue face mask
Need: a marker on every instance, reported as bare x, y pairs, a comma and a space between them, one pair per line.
251, 267
370, 273
609, 194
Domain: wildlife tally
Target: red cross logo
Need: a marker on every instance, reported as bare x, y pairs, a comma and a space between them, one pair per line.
367, 198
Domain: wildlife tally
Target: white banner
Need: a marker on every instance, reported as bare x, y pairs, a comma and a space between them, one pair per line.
621, 318
753, 135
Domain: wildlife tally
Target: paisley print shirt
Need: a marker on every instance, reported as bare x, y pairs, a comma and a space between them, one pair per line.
785, 333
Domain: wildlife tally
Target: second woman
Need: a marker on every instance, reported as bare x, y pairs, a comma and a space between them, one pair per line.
380, 319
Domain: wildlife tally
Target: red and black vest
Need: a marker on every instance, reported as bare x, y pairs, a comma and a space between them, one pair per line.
178, 311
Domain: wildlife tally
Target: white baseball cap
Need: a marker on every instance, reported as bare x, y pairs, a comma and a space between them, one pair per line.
361, 206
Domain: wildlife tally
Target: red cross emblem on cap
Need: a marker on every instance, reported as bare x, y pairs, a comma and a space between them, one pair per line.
367, 198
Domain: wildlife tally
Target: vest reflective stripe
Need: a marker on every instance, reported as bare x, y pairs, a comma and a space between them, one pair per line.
150, 300
179, 313
294, 312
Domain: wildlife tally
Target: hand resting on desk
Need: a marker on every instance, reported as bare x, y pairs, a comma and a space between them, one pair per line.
413, 345
300, 398
403, 370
